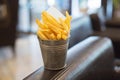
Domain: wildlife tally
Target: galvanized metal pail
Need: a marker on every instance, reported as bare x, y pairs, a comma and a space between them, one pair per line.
54, 53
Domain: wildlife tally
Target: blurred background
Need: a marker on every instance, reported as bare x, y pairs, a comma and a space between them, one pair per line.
19, 49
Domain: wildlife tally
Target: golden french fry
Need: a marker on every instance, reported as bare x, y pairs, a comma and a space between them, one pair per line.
52, 29
65, 32
67, 22
45, 26
41, 35
44, 30
51, 19
49, 16
64, 24
68, 16
47, 34
49, 24
64, 37
52, 36
39, 23
44, 19
58, 36
68, 19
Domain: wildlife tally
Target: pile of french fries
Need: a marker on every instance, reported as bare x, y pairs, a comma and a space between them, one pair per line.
52, 29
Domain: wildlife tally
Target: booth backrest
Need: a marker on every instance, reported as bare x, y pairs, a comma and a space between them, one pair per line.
80, 29
94, 61
98, 20
91, 59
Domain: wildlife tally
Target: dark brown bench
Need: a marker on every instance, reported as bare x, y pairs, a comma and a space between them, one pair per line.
80, 29
91, 59
100, 29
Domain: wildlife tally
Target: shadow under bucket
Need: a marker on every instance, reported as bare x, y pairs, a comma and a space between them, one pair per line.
54, 53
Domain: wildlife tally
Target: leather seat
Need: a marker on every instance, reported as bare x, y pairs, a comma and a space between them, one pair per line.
113, 23
91, 59
101, 30
80, 29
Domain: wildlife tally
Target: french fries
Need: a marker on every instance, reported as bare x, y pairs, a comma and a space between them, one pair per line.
52, 29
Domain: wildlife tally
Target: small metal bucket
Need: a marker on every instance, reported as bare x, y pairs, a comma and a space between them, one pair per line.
54, 53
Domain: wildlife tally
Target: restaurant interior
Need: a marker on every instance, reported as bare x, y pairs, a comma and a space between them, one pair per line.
93, 47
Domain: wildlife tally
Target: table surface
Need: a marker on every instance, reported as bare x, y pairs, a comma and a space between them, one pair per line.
45, 74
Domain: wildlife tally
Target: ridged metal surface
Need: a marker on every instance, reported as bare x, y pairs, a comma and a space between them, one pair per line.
54, 53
